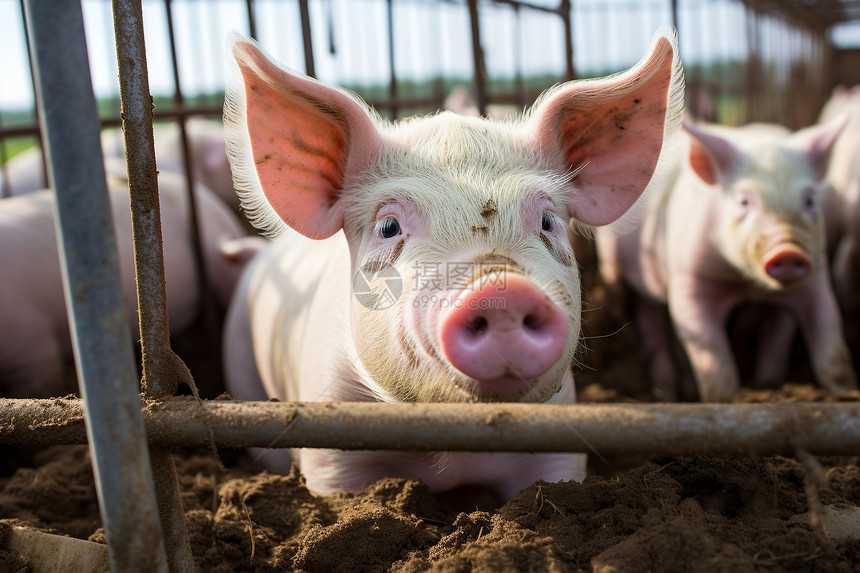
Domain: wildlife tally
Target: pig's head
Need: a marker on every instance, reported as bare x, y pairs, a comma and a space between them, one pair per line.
465, 280
770, 224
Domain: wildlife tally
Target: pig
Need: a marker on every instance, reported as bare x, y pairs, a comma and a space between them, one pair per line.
742, 222
427, 260
34, 328
843, 176
25, 173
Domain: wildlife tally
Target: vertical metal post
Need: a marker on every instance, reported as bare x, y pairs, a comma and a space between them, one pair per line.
478, 55
203, 305
392, 81
39, 139
675, 21
252, 21
162, 369
4, 184
305, 14
566, 11
91, 277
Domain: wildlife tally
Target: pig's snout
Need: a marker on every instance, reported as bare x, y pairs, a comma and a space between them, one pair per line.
787, 264
503, 333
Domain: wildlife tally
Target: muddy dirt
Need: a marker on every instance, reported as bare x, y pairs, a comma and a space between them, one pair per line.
632, 514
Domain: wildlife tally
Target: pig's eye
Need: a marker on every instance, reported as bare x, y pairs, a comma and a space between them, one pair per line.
745, 202
546, 222
389, 228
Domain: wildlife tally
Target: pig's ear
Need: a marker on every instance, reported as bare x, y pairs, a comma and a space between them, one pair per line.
293, 143
711, 156
612, 130
816, 142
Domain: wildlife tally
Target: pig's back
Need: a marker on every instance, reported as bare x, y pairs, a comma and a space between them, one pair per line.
29, 259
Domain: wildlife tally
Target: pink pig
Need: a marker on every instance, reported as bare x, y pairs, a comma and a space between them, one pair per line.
843, 175
33, 320
742, 223
427, 260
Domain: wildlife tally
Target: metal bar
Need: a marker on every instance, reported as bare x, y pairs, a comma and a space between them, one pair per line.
478, 57
162, 369
304, 13
392, 80
566, 11
675, 20
4, 181
530, 6
91, 277
203, 305
252, 20
18, 131
608, 429
31, 60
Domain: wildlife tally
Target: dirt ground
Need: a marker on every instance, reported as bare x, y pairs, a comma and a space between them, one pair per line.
656, 514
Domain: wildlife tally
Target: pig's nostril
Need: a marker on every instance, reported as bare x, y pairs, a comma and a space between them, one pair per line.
532, 322
477, 325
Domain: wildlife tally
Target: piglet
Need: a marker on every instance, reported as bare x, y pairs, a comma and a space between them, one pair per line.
34, 332
742, 223
427, 260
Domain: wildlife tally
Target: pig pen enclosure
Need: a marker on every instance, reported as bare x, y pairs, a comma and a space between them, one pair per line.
770, 482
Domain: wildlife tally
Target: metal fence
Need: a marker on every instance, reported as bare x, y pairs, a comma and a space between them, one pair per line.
144, 522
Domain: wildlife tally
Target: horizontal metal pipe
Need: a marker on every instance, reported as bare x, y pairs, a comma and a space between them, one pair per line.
671, 429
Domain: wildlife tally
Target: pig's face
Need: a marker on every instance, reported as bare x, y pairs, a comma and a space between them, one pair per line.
770, 225
465, 283
474, 223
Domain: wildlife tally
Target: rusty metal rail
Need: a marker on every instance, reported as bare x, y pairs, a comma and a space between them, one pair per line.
162, 369
604, 429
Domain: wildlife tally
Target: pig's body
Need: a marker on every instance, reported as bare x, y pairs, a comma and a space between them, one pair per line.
740, 224
34, 328
301, 291
25, 173
843, 175
357, 301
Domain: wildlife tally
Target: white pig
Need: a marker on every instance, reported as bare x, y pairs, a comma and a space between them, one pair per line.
742, 223
25, 173
843, 175
34, 326
427, 260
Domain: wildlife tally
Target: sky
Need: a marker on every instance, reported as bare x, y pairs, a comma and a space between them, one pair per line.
430, 39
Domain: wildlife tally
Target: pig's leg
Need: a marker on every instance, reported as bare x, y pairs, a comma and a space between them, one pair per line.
653, 330
699, 314
32, 364
821, 324
846, 272
773, 352
846, 259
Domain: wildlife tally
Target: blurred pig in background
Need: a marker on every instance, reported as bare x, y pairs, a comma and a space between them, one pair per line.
36, 345
844, 177
743, 222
